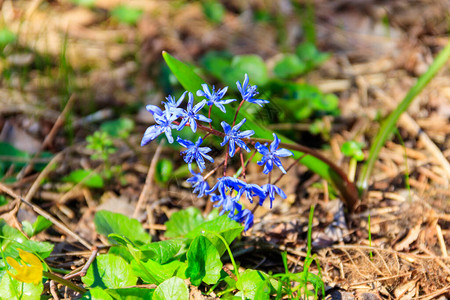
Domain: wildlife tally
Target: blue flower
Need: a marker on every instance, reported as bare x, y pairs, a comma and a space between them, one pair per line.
214, 97
154, 110
270, 191
270, 157
199, 184
250, 191
190, 114
228, 204
163, 124
194, 152
245, 216
248, 92
172, 104
226, 184
234, 136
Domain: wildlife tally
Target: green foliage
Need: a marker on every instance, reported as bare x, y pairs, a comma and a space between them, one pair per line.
88, 178
353, 149
11, 157
203, 262
182, 222
38, 226
107, 222
173, 288
213, 10
6, 37
164, 170
127, 15
109, 271
16, 290
12, 239
102, 145
3, 200
119, 128
289, 66
85, 3
311, 56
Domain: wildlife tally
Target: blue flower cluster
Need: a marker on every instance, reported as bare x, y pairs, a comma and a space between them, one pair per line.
228, 191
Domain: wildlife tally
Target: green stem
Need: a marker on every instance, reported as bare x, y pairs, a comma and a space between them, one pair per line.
65, 282
390, 122
233, 262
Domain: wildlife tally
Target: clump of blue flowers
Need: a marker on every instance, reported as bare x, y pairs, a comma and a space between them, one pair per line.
228, 193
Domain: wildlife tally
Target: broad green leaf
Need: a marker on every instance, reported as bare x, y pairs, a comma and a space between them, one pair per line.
182, 222
131, 293
251, 64
122, 252
192, 82
203, 262
263, 291
107, 222
164, 170
12, 289
97, 293
120, 128
289, 66
109, 271
250, 281
163, 251
126, 14
173, 288
153, 272
88, 178
222, 225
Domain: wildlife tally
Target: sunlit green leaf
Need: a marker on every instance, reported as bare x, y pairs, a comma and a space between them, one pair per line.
107, 222
182, 222
173, 288
12, 289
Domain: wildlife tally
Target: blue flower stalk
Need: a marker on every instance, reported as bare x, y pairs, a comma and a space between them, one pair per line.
228, 193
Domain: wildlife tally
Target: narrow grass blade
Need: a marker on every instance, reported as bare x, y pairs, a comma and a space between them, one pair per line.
313, 161
389, 124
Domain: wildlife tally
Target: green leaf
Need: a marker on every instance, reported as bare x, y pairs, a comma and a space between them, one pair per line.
11, 239
131, 293
217, 62
122, 252
3, 200
163, 251
289, 66
13, 156
251, 64
120, 128
203, 262
6, 37
250, 281
173, 288
12, 289
353, 149
164, 170
40, 225
153, 272
88, 178
109, 271
126, 14
107, 222
222, 225
97, 293
213, 10
182, 222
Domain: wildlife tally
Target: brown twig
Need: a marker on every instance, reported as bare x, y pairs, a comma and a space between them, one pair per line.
83, 270
49, 138
148, 181
46, 215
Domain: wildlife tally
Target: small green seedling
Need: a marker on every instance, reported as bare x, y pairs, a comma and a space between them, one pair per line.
353, 150
127, 15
